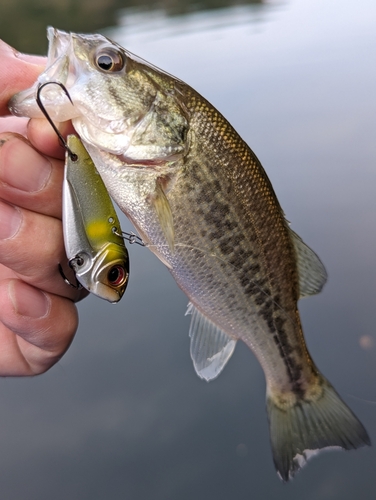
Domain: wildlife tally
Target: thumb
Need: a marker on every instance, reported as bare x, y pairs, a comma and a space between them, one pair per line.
18, 72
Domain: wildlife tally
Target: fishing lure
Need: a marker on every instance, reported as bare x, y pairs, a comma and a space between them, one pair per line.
93, 239
92, 236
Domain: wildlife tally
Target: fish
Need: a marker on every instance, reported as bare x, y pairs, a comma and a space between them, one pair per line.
204, 205
92, 234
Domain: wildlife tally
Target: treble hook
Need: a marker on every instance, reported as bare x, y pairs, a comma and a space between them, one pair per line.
72, 155
77, 286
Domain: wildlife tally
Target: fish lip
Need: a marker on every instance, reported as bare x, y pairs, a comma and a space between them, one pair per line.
58, 69
58, 43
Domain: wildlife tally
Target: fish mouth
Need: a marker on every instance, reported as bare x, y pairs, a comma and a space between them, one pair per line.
63, 67
59, 69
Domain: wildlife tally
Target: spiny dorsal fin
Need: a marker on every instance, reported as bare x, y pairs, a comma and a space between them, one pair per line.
211, 348
312, 273
163, 210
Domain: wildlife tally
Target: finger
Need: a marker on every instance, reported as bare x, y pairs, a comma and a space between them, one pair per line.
37, 328
5, 273
31, 245
29, 179
30, 58
18, 72
44, 138
14, 124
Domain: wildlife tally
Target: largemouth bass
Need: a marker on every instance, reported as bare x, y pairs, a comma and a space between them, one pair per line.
203, 203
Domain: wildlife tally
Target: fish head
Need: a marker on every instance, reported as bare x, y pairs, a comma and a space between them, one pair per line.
121, 104
105, 274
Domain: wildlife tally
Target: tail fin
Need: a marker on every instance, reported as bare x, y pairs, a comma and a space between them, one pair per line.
303, 429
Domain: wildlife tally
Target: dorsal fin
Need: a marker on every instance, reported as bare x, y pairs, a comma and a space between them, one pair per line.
312, 273
211, 348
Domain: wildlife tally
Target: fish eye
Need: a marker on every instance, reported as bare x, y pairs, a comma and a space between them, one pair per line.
116, 275
110, 60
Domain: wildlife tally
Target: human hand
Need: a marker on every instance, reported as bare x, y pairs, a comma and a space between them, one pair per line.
38, 318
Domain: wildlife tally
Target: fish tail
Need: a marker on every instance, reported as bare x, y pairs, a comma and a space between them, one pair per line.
302, 426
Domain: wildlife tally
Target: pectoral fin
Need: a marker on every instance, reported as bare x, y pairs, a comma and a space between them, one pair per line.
163, 210
312, 273
211, 348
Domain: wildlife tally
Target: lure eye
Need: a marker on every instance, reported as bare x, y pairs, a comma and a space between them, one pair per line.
109, 60
116, 275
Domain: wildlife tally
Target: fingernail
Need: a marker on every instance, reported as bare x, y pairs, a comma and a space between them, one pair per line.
27, 300
10, 220
22, 167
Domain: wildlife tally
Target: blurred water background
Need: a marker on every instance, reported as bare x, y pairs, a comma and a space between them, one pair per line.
123, 415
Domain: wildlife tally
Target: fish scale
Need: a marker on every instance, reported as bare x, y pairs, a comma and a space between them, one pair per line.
252, 186
204, 205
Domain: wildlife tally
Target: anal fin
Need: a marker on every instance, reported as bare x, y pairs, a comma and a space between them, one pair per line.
211, 348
